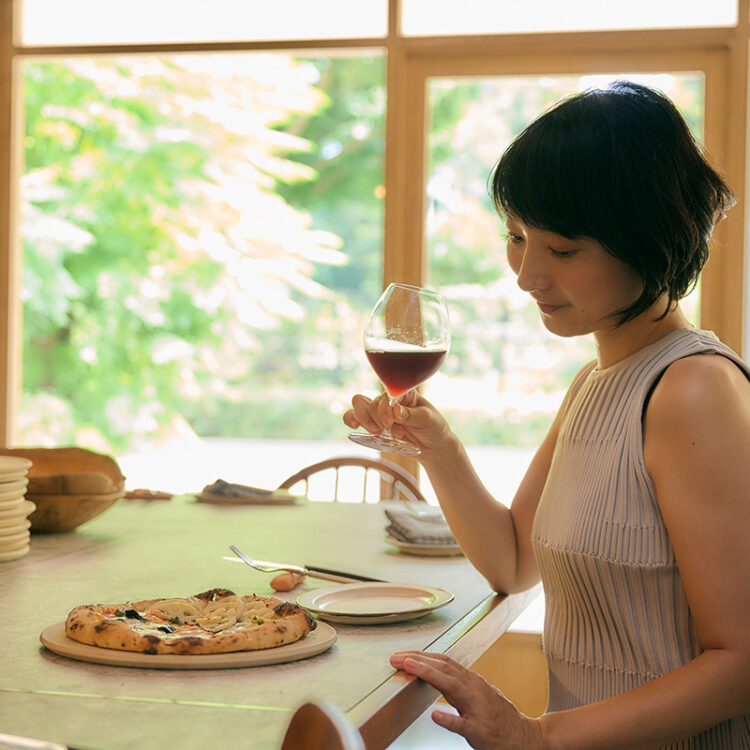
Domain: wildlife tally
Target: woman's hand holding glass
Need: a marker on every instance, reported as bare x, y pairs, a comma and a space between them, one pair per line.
414, 419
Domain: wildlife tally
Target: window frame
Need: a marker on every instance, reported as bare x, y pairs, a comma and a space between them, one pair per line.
721, 280
720, 53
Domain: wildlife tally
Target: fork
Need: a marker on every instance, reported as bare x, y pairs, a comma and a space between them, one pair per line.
272, 567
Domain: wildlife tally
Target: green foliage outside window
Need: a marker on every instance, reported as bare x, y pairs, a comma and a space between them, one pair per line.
203, 242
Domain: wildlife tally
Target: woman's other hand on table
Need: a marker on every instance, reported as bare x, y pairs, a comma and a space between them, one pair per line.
487, 720
414, 419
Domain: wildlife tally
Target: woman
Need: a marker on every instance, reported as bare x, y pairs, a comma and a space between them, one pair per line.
635, 510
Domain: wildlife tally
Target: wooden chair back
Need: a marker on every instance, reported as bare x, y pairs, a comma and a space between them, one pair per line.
321, 727
399, 483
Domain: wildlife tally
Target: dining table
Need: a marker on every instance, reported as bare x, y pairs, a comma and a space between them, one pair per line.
142, 549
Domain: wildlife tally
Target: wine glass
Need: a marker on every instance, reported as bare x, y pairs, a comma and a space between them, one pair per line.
406, 341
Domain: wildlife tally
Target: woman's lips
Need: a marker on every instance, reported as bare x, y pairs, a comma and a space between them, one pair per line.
548, 309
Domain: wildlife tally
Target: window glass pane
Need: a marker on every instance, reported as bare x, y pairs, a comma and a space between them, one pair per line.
54, 22
202, 244
436, 17
506, 374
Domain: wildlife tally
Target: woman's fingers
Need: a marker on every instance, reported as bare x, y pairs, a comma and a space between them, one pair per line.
350, 419
420, 422
364, 413
401, 656
451, 722
413, 418
440, 671
487, 719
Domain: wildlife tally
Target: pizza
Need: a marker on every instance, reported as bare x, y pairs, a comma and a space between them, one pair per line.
212, 622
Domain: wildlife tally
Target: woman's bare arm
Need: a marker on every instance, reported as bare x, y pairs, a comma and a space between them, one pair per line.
495, 538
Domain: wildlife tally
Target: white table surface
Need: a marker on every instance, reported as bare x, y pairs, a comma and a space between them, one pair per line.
139, 550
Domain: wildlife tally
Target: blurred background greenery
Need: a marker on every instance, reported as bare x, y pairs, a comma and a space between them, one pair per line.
203, 242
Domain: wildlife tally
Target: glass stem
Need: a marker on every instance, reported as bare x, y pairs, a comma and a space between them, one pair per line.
392, 401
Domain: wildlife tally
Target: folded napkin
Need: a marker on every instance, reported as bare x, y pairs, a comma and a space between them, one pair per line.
404, 526
227, 489
240, 494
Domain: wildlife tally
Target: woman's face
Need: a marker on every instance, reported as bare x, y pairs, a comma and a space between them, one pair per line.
576, 283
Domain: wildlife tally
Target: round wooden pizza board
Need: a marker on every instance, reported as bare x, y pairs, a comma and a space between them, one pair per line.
314, 643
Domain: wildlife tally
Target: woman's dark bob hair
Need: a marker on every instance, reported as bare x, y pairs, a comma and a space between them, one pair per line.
618, 165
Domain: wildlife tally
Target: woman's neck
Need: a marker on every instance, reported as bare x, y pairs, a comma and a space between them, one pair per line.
615, 344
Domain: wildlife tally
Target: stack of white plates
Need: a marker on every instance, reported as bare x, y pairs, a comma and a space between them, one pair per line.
14, 508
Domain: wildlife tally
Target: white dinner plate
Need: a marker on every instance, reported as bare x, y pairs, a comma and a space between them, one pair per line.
10, 546
314, 643
14, 466
17, 484
12, 504
17, 476
426, 550
374, 603
17, 511
6, 555
13, 493
9, 532
17, 522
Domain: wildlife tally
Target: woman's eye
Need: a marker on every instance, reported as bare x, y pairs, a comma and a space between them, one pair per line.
562, 253
513, 238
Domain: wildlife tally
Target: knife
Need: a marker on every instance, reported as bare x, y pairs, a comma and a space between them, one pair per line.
315, 571
307, 570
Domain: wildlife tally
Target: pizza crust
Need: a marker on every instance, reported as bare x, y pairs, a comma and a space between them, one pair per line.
212, 622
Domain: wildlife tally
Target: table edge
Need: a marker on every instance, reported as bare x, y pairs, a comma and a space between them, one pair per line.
400, 699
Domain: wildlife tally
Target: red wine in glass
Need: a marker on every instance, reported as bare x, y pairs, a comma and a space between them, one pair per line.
406, 341
400, 371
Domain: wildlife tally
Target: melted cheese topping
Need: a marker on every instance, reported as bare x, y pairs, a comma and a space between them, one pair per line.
198, 617
185, 610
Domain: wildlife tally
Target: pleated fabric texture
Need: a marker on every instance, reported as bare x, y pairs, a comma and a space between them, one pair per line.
616, 610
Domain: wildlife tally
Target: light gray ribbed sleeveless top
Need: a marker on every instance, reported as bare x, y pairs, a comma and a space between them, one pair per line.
616, 611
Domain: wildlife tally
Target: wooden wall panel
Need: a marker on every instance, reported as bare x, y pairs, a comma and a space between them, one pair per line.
9, 269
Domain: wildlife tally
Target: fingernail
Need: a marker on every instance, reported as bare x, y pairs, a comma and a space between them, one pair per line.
398, 411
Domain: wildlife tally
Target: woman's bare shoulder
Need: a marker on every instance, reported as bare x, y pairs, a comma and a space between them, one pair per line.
700, 408
700, 382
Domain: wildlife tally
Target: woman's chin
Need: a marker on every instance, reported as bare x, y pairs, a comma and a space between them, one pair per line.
560, 329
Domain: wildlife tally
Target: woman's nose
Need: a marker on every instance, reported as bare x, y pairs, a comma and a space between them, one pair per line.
532, 272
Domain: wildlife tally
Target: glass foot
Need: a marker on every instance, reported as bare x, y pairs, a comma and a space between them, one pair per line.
384, 443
